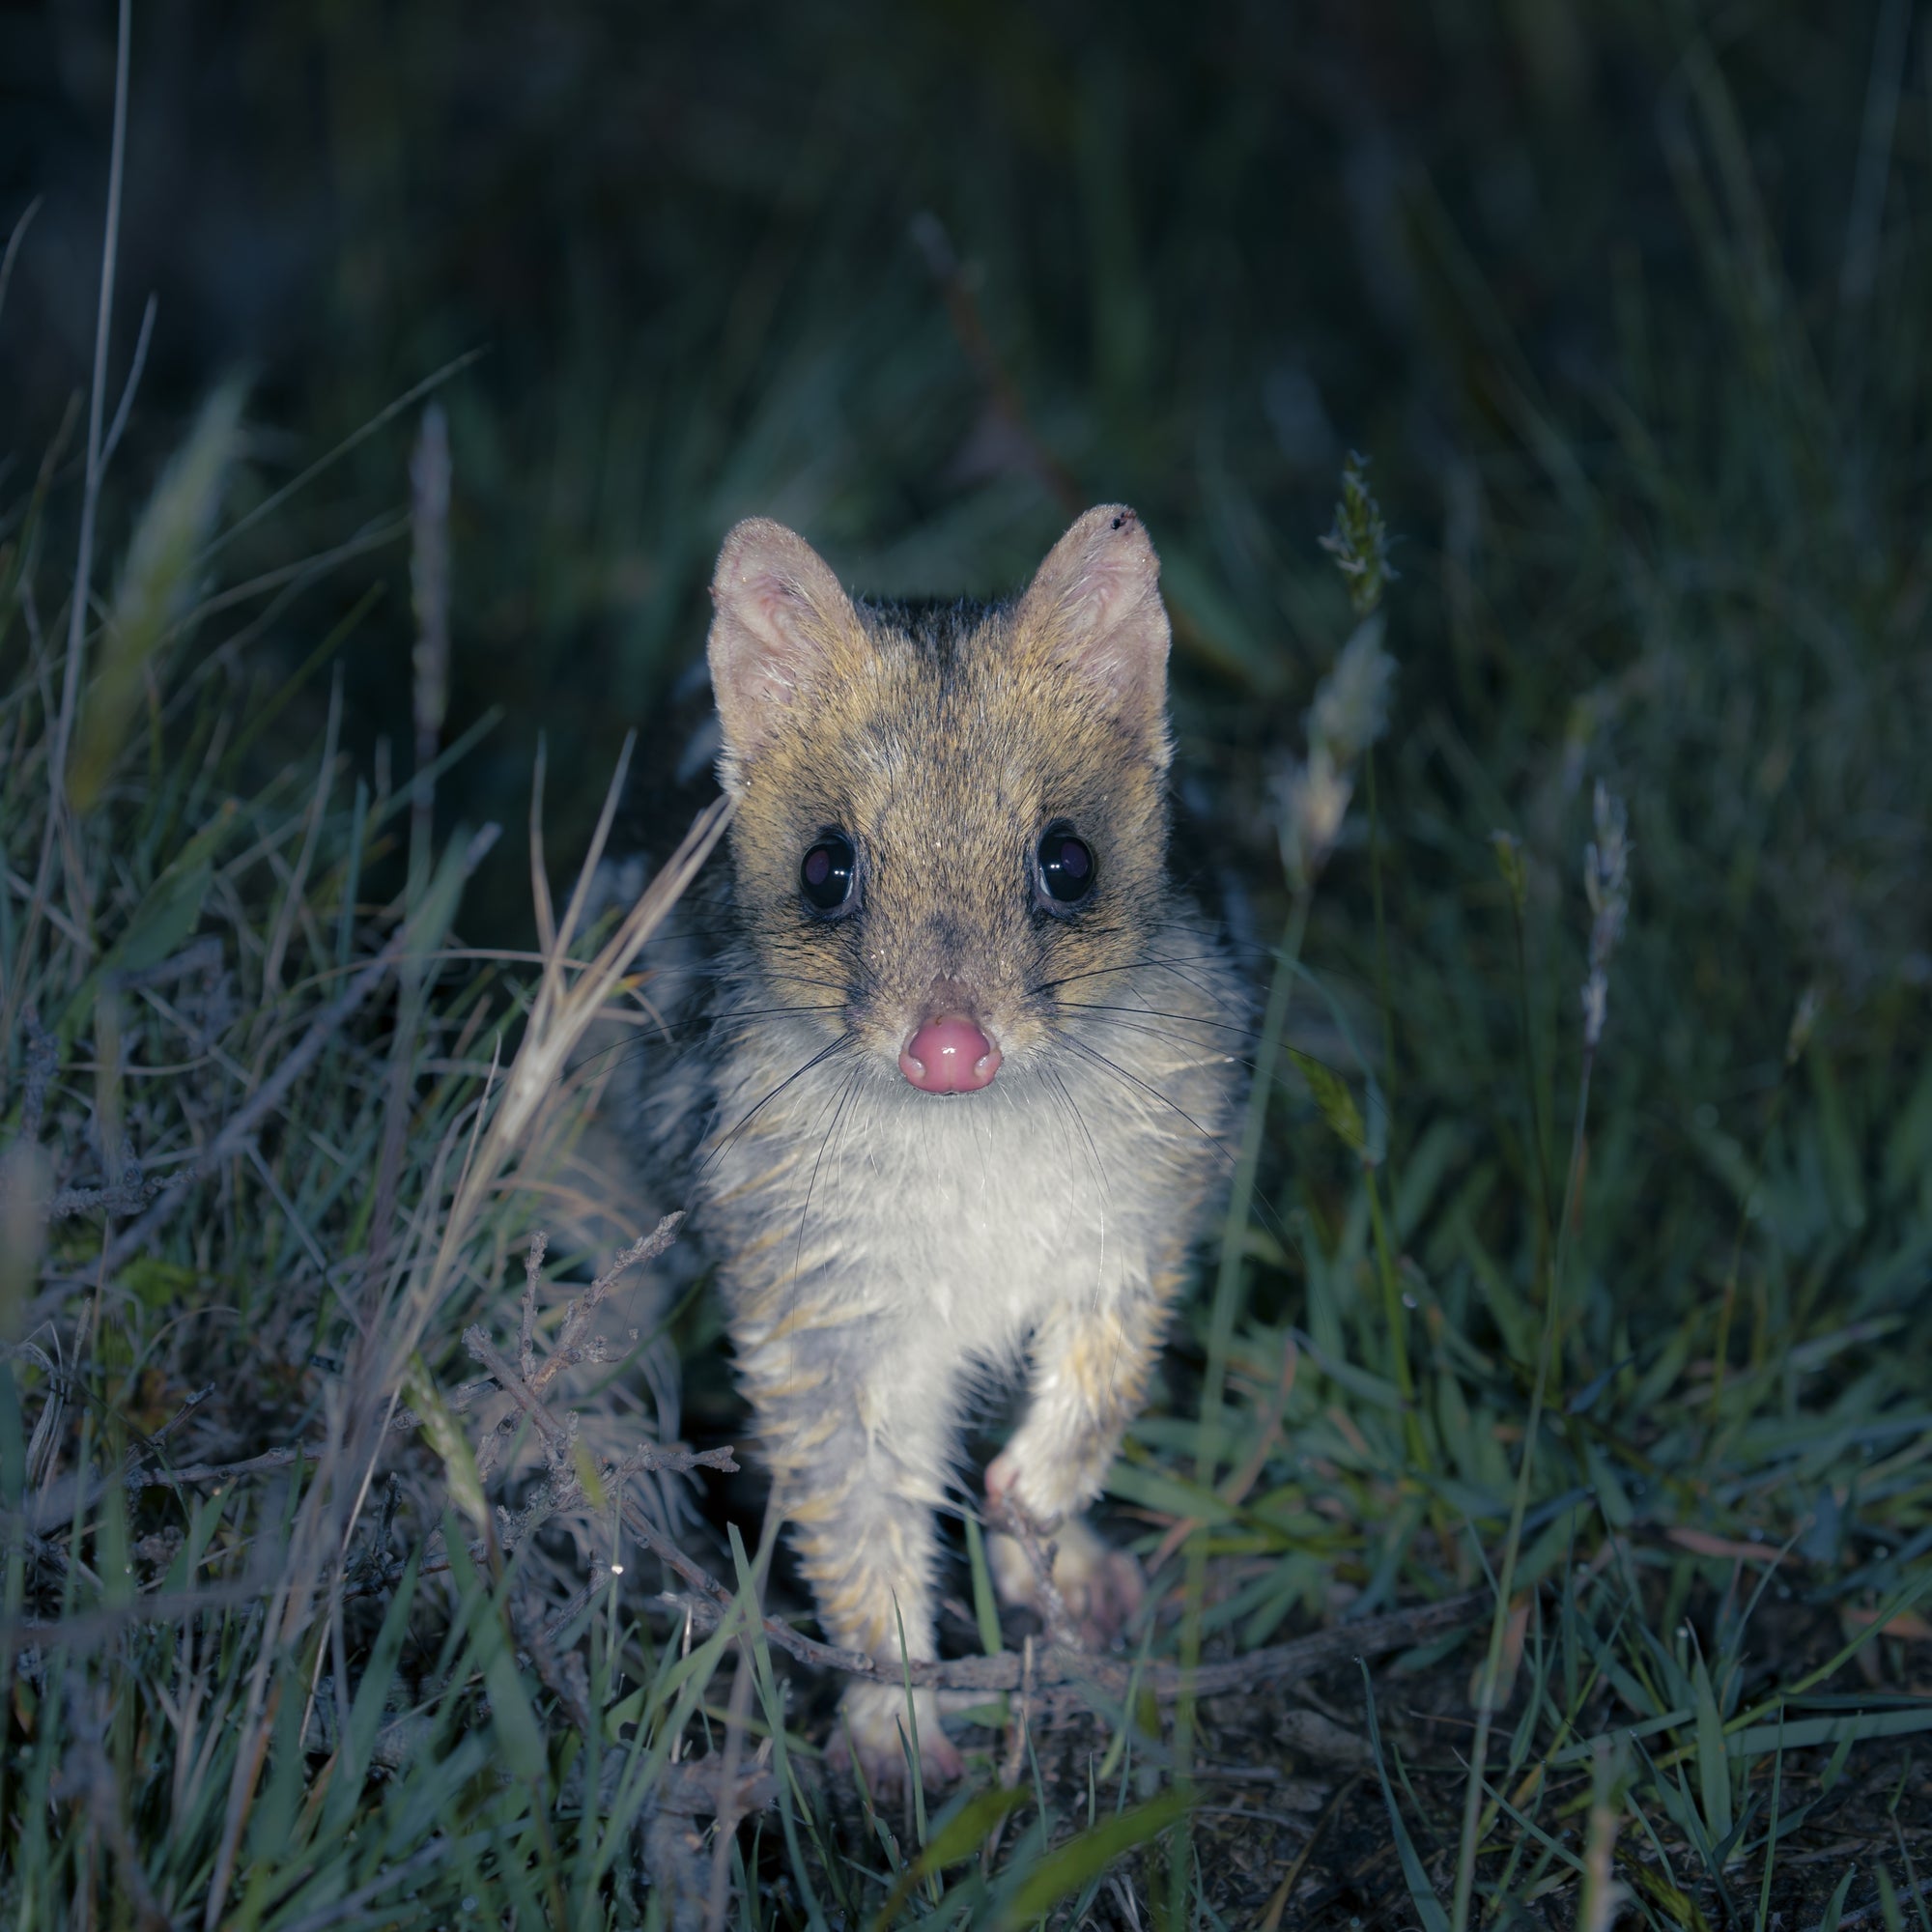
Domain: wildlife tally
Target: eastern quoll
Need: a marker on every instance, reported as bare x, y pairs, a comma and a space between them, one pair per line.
970, 1060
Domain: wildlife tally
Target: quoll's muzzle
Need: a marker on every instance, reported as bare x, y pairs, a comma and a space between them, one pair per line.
950, 1054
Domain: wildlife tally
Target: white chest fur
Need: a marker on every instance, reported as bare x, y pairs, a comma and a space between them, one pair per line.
964, 1220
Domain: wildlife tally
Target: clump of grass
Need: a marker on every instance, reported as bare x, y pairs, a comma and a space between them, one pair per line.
1432, 1413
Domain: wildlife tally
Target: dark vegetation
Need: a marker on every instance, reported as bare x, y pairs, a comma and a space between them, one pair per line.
1610, 1312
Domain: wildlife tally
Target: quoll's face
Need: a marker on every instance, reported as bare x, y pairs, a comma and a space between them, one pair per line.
944, 817
936, 845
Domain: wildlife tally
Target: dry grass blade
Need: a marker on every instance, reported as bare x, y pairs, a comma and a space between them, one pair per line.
565, 1008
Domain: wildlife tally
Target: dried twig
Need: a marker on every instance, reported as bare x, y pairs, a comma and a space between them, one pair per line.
1004, 1512
174, 1422
1059, 1665
571, 1348
224, 1472
557, 1439
60, 1505
526, 1383
1022, 1721
132, 1194
526, 1357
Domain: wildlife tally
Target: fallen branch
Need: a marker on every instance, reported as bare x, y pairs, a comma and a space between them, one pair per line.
1058, 1664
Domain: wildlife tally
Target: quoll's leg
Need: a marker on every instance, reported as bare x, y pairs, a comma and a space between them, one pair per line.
857, 1442
1091, 1367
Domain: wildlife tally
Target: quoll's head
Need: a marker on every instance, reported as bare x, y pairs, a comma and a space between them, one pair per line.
944, 815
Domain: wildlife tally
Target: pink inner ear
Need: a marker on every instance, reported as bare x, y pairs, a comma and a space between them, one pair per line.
773, 647
771, 603
1095, 604
779, 615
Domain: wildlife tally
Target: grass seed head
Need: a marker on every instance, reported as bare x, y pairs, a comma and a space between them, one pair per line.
1350, 710
1348, 716
1359, 539
1314, 796
1606, 884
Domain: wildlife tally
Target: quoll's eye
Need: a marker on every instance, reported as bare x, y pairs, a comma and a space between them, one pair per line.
827, 872
1066, 866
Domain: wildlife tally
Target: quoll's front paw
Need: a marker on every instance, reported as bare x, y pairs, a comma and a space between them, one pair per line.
1100, 1587
872, 1722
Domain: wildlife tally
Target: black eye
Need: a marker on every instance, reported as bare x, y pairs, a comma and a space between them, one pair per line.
827, 872
1066, 866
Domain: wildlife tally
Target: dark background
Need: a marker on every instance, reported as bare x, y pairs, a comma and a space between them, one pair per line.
1624, 299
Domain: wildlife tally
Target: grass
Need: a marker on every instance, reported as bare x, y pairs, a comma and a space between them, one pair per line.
1579, 1254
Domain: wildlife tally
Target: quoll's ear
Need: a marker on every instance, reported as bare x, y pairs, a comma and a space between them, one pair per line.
1095, 605
781, 624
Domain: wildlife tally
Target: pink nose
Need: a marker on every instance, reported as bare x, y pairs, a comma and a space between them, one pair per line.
950, 1055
